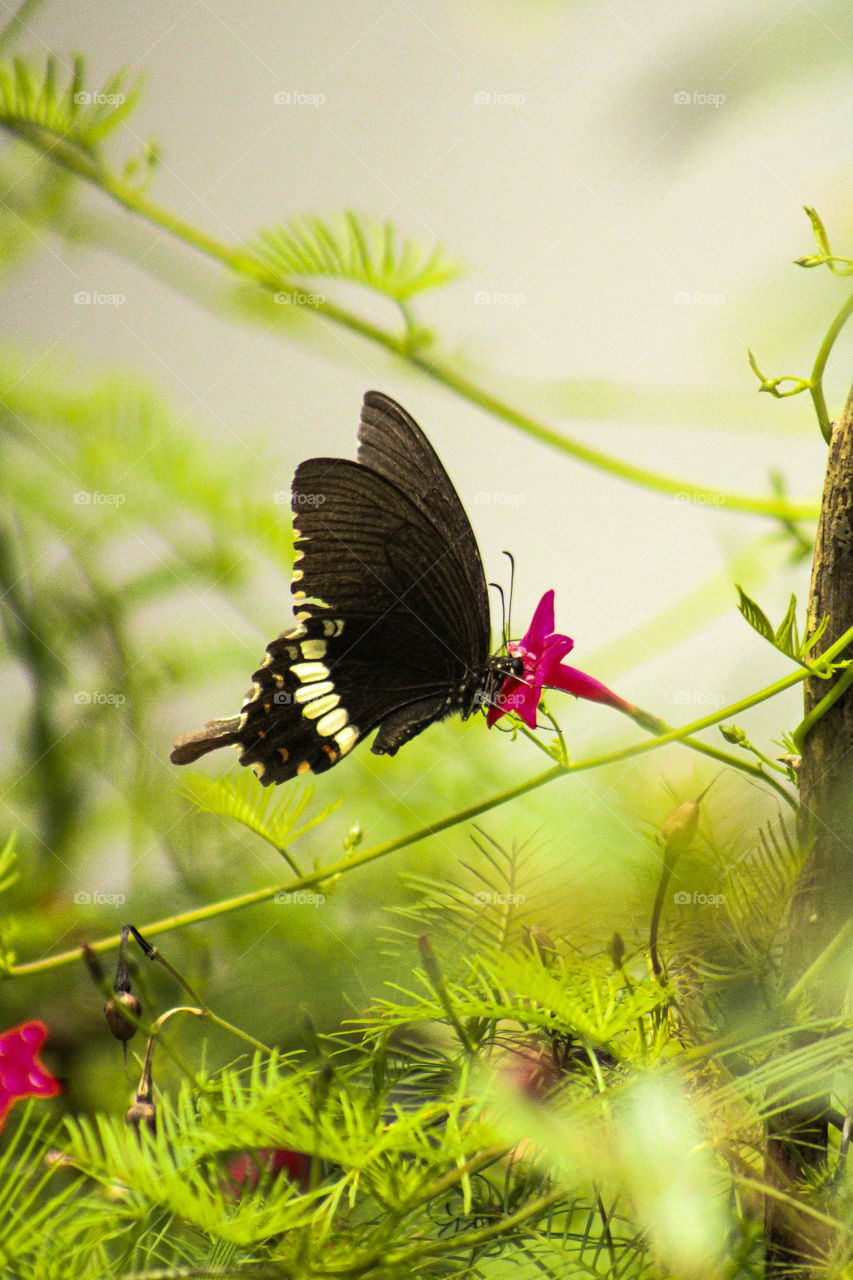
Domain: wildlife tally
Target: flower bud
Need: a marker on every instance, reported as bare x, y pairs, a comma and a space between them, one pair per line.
679, 828
540, 943
142, 1113
616, 950
120, 1026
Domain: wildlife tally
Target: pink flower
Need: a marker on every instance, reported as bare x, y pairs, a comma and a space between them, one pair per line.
245, 1169
541, 650
21, 1073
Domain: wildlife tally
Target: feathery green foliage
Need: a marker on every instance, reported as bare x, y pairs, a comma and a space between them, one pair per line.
272, 816
355, 250
522, 1094
45, 108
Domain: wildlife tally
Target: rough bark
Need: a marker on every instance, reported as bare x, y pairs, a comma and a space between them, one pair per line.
823, 896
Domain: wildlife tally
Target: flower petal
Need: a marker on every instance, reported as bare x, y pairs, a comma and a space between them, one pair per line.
556, 648
22, 1075
542, 625
516, 696
570, 680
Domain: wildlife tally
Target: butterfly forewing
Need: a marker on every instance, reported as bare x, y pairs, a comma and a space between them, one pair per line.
392, 611
392, 444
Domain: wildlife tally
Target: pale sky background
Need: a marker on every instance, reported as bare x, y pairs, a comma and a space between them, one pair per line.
621, 235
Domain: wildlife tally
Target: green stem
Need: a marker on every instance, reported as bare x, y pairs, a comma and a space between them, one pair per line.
204, 1011
816, 380
354, 860
245, 265
659, 728
817, 965
841, 686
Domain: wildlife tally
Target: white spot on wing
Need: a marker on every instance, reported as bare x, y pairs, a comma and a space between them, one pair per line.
333, 722
306, 671
310, 691
313, 648
347, 738
321, 706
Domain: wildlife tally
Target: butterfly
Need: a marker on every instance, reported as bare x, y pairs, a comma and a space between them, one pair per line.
392, 612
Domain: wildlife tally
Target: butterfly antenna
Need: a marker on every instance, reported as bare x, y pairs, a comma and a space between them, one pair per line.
497, 586
511, 559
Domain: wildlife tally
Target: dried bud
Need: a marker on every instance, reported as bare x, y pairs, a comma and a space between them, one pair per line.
120, 1026
93, 964
616, 950
679, 828
142, 1113
540, 943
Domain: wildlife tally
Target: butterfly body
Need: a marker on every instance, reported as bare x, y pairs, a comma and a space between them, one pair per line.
392, 618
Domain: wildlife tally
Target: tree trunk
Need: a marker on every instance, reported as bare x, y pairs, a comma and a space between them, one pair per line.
823, 897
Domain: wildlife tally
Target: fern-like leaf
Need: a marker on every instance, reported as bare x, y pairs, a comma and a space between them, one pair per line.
273, 817
38, 105
26, 1209
350, 249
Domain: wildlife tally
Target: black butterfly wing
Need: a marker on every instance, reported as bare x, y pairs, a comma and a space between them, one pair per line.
393, 625
392, 444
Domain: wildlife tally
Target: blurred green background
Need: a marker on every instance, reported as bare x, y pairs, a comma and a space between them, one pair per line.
624, 187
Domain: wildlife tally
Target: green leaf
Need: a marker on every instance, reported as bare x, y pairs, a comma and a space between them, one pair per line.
812, 639
838, 266
787, 638
755, 616
350, 249
270, 815
819, 232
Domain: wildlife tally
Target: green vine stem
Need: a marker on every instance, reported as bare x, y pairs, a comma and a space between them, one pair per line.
243, 264
353, 860
816, 380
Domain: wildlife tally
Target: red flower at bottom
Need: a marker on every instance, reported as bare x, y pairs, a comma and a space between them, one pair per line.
541, 650
21, 1073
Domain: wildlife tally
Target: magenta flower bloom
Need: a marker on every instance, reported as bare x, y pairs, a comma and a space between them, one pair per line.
541, 650
21, 1073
